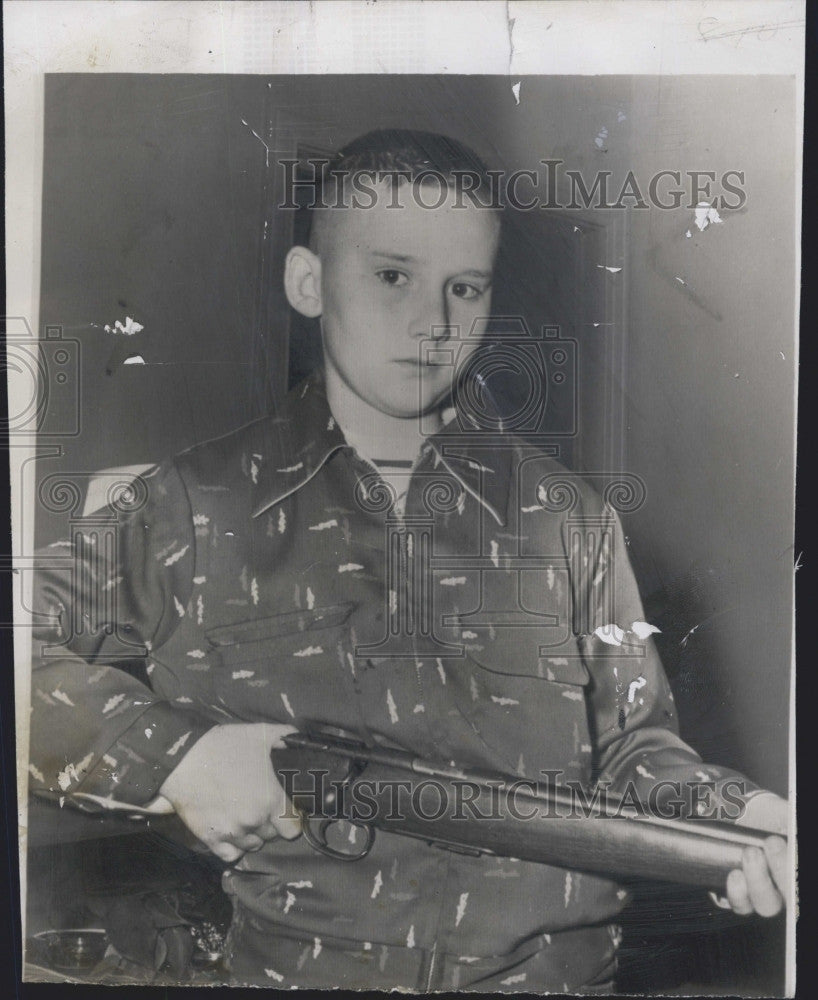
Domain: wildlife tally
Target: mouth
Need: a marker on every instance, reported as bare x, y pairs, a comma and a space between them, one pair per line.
415, 363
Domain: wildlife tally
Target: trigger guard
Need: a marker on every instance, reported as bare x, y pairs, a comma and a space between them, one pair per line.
318, 840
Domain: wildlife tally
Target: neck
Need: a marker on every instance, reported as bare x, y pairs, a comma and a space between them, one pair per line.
374, 433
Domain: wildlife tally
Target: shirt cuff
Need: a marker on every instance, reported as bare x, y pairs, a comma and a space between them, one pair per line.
135, 767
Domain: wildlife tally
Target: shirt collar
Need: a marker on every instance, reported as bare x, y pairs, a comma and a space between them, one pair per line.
308, 435
480, 472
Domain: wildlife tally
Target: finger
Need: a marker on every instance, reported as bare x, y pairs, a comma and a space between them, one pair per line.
288, 827
738, 893
227, 852
248, 841
777, 855
764, 896
266, 831
282, 730
285, 818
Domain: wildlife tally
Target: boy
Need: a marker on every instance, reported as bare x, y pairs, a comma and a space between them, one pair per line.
260, 577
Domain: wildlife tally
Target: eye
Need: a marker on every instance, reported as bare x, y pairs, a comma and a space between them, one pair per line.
464, 290
389, 276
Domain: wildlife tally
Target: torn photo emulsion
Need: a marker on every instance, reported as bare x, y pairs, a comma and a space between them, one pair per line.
404, 526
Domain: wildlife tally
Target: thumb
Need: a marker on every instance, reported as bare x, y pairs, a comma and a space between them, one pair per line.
766, 811
159, 806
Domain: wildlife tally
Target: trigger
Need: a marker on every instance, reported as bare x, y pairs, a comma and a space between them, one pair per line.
315, 833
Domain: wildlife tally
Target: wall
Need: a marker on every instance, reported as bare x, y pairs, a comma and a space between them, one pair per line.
706, 382
711, 381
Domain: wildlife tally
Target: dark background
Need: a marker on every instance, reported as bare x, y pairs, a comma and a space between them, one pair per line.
159, 203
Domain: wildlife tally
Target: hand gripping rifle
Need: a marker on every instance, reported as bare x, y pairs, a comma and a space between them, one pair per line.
331, 778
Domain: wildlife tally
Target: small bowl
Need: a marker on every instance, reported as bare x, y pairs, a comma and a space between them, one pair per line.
74, 950
206, 960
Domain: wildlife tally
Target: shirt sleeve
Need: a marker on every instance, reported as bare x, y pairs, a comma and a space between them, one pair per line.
99, 732
633, 716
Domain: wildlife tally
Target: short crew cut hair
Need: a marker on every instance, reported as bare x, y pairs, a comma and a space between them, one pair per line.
401, 156
409, 151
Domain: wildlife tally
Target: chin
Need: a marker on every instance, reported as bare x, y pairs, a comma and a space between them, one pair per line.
408, 404
402, 412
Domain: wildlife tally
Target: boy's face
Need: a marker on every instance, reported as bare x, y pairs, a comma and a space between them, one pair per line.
388, 276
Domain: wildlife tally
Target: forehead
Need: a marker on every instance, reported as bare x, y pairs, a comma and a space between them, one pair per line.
425, 223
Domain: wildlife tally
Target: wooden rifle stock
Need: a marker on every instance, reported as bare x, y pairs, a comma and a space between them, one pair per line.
331, 778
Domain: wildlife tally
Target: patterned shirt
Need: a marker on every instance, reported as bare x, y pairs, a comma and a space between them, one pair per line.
266, 577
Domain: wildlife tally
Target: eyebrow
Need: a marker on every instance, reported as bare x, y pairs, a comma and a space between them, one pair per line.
409, 259
403, 258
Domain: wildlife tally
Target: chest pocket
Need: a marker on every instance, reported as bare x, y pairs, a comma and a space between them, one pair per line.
525, 701
514, 622
284, 667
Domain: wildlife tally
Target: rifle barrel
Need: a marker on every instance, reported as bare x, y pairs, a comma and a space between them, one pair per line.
512, 818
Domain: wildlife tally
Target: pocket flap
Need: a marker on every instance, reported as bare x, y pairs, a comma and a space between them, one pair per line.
558, 669
289, 623
564, 669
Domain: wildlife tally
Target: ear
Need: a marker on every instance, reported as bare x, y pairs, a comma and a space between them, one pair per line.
302, 281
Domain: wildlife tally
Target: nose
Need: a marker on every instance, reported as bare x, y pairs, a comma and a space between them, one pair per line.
432, 320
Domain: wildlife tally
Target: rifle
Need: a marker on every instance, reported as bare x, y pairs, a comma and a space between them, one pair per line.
332, 778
